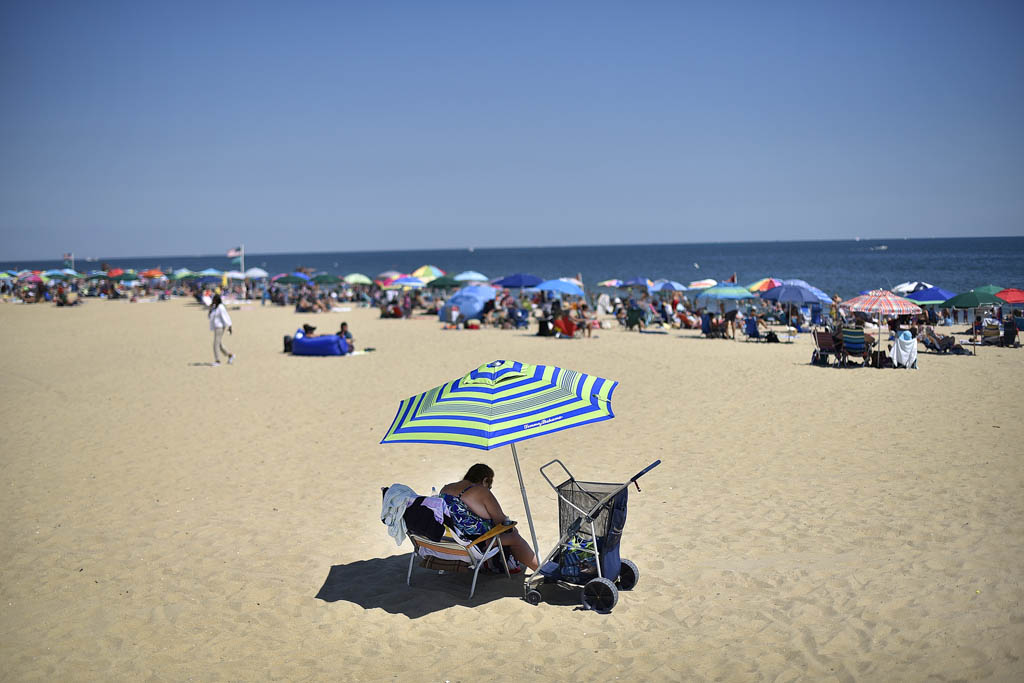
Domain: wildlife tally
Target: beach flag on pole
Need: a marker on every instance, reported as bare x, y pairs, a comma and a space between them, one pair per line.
237, 255
234, 253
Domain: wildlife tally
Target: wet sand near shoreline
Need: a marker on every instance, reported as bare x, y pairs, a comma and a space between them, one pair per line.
165, 520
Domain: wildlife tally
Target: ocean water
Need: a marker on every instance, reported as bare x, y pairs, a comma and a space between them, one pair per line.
838, 267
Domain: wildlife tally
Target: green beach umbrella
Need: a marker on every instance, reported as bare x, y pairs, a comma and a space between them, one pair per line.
357, 279
444, 282
982, 296
501, 403
326, 279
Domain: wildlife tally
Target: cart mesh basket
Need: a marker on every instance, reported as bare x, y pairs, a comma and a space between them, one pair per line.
584, 495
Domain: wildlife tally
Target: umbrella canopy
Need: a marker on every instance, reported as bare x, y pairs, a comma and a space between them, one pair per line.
796, 292
291, 279
610, 283
211, 271
702, 284
406, 281
881, 302
667, 286
235, 275
560, 286
973, 299
444, 282
638, 282
469, 300
518, 281
182, 273
905, 288
35, 277
501, 403
1011, 295
124, 275
471, 276
256, 273
930, 296
724, 293
358, 279
764, 284
428, 272
389, 275
97, 275
152, 273
326, 279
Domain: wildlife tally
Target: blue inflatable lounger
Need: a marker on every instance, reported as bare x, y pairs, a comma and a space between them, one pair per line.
327, 345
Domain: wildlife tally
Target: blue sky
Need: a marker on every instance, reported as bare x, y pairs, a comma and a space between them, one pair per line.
154, 128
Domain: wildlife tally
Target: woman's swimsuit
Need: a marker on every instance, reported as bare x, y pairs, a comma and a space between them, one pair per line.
469, 524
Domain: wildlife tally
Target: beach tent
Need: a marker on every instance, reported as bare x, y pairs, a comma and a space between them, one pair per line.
471, 276
469, 300
256, 273
518, 281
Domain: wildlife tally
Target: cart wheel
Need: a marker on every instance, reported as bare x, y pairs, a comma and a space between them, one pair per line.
599, 595
533, 597
628, 576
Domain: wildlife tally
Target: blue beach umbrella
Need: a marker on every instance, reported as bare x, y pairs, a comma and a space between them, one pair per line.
471, 276
518, 281
796, 292
211, 271
667, 285
724, 293
501, 403
560, 286
931, 296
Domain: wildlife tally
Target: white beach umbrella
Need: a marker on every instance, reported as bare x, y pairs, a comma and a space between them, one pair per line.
235, 275
256, 273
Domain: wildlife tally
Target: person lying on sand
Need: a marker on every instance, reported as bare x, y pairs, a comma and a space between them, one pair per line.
474, 511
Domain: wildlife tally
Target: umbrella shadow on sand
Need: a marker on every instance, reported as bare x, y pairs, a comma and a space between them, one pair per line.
379, 583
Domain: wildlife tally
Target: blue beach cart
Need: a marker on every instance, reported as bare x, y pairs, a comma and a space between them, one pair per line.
591, 518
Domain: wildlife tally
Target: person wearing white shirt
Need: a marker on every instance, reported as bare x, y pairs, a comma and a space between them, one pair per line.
219, 321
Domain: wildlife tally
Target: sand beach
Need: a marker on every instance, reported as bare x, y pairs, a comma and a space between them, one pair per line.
167, 520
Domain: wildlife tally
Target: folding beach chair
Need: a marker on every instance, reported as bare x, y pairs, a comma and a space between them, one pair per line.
990, 335
454, 554
635, 318
751, 330
854, 345
826, 347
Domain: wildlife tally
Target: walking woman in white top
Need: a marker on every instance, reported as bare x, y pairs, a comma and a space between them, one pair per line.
219, 319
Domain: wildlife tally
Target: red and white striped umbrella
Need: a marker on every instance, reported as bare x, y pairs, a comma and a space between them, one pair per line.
880, 301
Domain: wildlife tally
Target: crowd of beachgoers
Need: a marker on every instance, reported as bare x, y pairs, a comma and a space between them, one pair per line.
564, 309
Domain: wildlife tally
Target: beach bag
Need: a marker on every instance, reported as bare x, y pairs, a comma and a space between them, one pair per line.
771, 337
287, 343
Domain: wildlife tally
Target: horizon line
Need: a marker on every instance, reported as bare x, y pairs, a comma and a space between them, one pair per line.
546, 246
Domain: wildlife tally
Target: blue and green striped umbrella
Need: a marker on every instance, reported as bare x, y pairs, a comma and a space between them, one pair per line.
501, 403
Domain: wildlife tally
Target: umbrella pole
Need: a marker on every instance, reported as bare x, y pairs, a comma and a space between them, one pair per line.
526, 503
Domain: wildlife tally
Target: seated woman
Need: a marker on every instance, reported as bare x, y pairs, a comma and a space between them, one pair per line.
474, 511
940, 342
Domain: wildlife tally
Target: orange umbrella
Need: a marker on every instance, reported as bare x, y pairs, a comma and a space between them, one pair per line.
152, 272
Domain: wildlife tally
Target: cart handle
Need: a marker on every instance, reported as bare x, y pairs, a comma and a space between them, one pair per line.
643, 472
564, 469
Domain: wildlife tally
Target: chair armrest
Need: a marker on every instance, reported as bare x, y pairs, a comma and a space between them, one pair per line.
497, 530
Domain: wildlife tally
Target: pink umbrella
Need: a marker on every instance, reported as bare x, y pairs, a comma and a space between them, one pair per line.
881, 302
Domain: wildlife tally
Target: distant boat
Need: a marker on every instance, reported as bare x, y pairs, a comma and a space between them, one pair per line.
880, 247
472, 249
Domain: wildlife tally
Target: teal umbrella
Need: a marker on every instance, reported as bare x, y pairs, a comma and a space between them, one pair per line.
501, 403
725, 293
326, 279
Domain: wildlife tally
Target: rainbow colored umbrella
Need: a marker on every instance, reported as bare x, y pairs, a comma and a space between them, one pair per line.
614, 282
764, 284
427, 272
501, 403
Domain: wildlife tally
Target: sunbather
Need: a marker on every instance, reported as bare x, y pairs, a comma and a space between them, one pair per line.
940, 342
474, 511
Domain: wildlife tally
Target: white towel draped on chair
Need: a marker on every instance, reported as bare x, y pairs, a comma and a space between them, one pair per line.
904, 351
